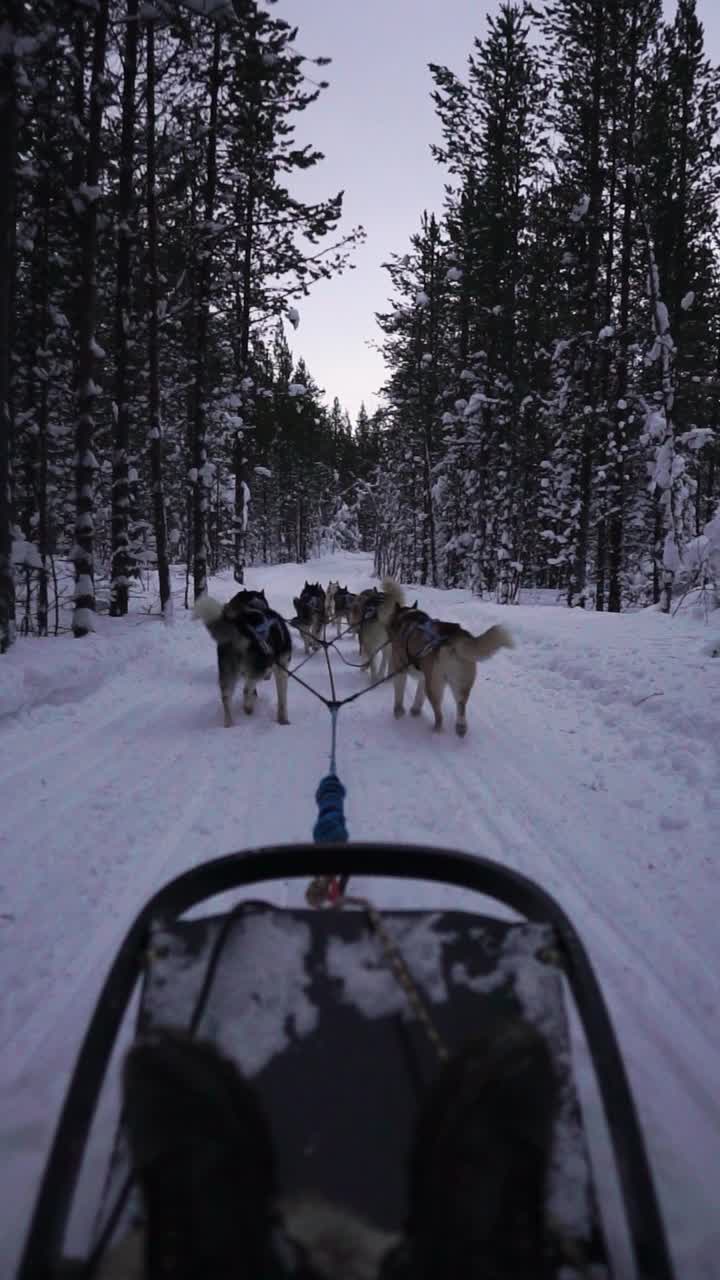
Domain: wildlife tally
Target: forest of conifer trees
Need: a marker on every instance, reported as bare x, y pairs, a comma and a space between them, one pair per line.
552, 342
554, 337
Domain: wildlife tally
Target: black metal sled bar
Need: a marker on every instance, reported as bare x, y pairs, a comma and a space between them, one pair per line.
42, 1259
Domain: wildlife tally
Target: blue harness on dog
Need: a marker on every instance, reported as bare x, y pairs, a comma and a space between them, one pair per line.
261, 631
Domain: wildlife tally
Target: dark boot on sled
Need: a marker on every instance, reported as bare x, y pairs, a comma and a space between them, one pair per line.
201, 1151
479, 1165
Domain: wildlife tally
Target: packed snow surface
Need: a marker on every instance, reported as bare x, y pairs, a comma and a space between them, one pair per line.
592, 764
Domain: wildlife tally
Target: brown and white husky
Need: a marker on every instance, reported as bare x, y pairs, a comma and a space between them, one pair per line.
436, 654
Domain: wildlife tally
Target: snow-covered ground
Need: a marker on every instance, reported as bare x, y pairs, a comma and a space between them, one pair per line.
592, 764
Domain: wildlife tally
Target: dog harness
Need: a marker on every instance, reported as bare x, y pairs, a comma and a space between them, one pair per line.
311, 604
428, 628
261, 631
371, 607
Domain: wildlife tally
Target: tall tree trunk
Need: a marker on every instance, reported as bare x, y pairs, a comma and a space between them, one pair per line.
240, 460
85, 463
616, 538
37, 376
121, 560
199, 452
578, 578
156, 459
9, 32
669, 478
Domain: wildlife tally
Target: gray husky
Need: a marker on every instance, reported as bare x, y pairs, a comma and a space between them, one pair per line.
252, 641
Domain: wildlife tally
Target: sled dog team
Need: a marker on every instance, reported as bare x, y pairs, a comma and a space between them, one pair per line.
254, 643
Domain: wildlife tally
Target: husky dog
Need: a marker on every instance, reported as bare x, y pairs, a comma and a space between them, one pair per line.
368, 615
252, 641
310, 611
330, 593
342, 603
437, 653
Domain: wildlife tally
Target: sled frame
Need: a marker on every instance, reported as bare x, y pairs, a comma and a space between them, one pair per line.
43, 1254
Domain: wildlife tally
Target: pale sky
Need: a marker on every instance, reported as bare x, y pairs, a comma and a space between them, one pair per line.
375, 124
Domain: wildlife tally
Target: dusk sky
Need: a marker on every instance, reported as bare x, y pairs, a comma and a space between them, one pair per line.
375, 124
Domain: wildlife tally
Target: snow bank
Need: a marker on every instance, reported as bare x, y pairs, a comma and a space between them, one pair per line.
62, 669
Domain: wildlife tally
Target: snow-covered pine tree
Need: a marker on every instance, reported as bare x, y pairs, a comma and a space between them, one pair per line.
680, 187
125, 212
11, 31
155, 427
633, 36
415, 331
86, 198
493, 144
280, 246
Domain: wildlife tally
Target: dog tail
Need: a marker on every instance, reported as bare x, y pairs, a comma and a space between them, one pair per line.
208, 610
393, 594
481, 647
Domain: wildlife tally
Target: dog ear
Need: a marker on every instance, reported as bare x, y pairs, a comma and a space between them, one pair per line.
415, 605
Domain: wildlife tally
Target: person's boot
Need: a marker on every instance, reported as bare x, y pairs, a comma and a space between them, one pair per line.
478, 1169
202, 1153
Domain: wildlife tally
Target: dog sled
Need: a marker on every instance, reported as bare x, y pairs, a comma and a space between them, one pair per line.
338, 1015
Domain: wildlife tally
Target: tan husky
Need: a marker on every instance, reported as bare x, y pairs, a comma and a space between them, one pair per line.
368, 616
436, 654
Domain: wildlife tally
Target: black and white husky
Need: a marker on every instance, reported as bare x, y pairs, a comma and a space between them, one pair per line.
252, 641
310, 610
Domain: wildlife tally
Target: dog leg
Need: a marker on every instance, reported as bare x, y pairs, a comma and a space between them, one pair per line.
281, 684
249, 696
461, 686
435, 687
461, 698
419, 698
399, 681
227, 679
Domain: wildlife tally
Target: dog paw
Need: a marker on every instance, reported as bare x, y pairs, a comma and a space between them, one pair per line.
461, 730
416, 711
283, 720
398, 712
248, 709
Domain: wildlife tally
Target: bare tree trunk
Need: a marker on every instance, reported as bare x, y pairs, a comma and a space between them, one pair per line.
669, 479
578, 576
199, 451
85, 464
9, 29
242, 488
156, 460
41, 334
121, 566
617, 516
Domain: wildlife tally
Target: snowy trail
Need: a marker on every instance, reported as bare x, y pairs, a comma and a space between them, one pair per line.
576, 771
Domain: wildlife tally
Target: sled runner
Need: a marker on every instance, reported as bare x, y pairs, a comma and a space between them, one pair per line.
340, 1017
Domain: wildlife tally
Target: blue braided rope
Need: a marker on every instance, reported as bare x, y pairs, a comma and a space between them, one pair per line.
330, 823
